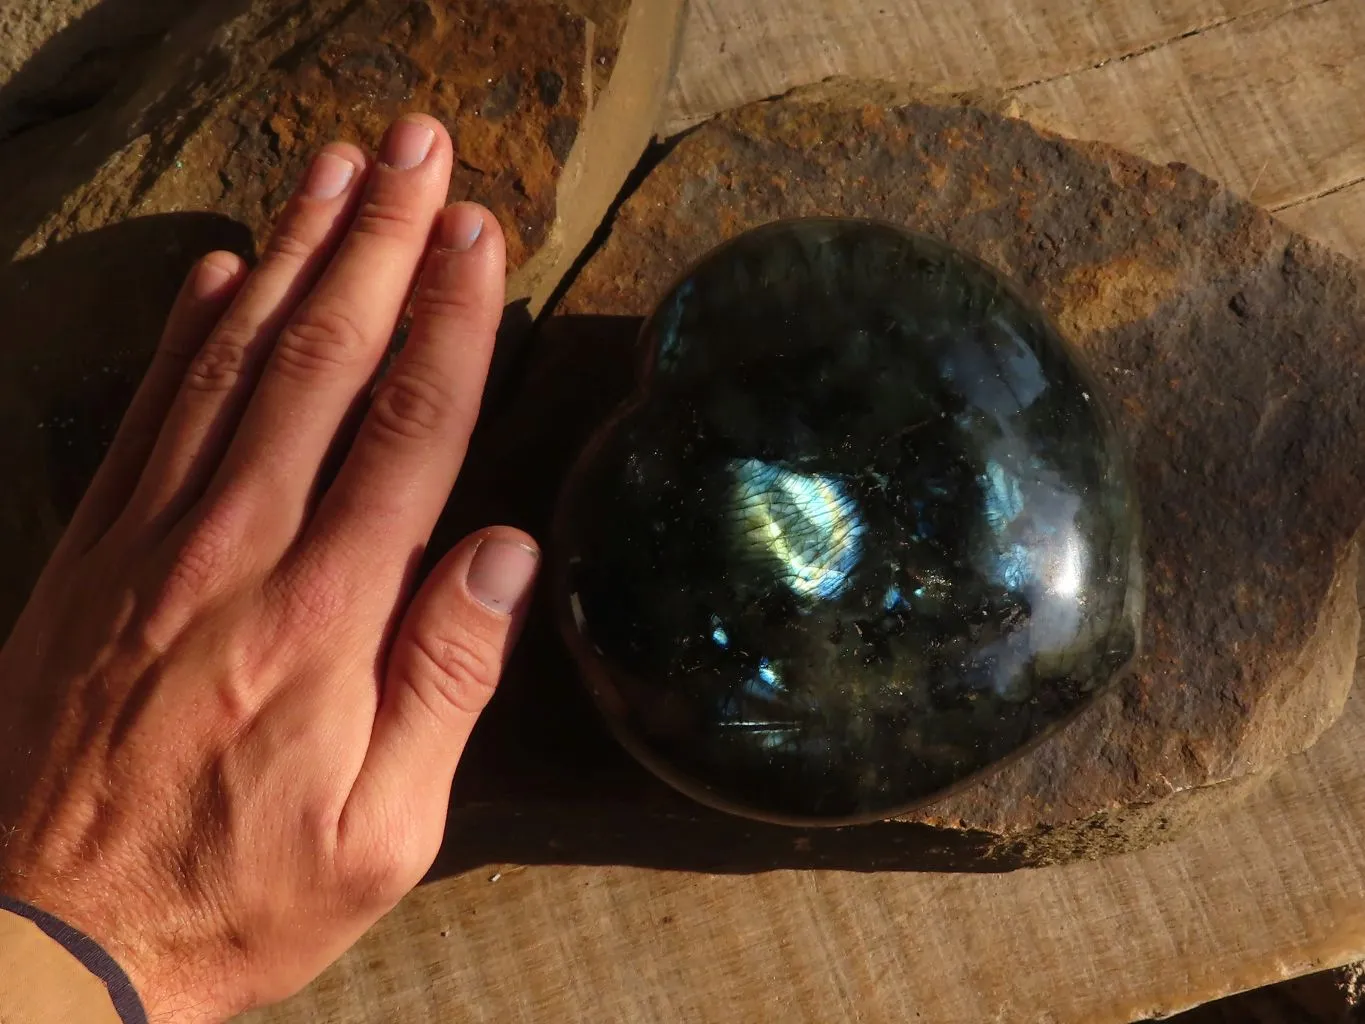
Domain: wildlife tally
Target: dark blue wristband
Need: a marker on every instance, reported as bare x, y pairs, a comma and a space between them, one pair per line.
88, 952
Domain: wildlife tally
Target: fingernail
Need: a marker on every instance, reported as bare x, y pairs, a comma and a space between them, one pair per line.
211, 277
460, 227
407, 144
328, 177
500, 573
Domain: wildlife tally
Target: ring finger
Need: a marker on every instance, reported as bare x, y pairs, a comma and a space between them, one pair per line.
221, 376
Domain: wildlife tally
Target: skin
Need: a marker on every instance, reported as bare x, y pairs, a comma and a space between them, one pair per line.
236, 715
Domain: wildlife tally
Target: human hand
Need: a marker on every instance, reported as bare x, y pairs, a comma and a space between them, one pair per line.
230, 725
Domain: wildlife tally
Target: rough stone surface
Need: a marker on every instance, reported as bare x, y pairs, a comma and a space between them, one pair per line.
105, 211
59, 56
235, 133
227, 118
1232, 349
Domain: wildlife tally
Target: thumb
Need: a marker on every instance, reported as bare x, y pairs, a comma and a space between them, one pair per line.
444, 665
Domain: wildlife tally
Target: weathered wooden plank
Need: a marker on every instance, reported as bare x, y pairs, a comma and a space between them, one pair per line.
1264, 103
736, 51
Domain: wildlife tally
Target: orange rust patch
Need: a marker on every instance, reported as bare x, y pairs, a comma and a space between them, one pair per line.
872, 116
983, 195
953, 138
503, 81
1094, 299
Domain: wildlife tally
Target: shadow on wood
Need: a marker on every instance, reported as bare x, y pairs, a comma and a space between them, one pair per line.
1328, 997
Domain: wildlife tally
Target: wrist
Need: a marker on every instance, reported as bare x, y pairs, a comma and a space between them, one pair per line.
88, 953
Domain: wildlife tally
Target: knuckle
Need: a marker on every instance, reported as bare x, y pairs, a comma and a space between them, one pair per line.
286, 249
385, 869
203, 565
410, 405
456, 672
320, 822
237, 690
441, 301
314, 596
384, 218
220, 362
325, 340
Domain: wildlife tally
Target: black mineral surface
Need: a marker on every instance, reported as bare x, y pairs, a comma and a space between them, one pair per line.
866, 530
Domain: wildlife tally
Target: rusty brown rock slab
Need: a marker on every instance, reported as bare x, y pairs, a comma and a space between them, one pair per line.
57, 56
61, 56
548, 108
1232, 349
104, 212
509, 81
609, 21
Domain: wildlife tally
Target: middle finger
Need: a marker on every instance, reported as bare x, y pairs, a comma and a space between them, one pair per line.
328, 352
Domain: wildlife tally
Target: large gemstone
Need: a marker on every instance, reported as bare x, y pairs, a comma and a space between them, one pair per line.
866, 529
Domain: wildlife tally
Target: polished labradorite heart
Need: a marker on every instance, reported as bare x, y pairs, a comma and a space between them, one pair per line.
866, 529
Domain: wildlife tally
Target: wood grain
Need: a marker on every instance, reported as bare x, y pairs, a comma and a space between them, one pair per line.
1259, 103
736, 51
1260, 95
1274, 889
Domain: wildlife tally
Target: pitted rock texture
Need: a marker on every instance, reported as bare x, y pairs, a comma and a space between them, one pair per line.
61, 56
104, 212
509, 80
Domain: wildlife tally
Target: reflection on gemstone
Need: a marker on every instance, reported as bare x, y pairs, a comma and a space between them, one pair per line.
807, 524
868, 533
718, 635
